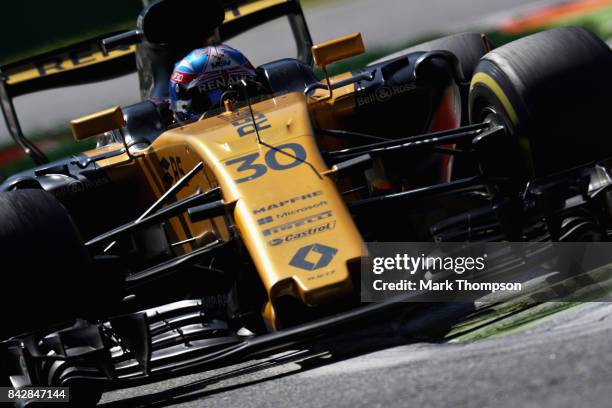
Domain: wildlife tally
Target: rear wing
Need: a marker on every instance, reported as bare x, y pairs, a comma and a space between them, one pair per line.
89, 61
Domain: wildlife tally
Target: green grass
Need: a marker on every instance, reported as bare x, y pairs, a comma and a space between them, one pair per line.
65, 149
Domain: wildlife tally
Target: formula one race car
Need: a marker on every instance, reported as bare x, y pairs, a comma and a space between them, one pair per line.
177, 247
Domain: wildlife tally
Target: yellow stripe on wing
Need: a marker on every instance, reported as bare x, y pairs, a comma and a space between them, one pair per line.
249, 8
80, 57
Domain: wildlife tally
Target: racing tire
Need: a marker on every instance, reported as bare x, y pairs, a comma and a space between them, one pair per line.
468, 47
551, 91
47, 275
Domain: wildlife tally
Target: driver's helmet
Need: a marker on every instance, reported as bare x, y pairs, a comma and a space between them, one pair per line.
201, 78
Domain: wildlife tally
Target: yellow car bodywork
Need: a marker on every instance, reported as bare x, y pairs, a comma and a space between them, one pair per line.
281, 196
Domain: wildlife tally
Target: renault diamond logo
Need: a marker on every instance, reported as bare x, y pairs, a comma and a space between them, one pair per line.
313, 257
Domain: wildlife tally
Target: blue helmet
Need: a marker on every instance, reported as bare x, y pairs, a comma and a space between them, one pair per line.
200, 79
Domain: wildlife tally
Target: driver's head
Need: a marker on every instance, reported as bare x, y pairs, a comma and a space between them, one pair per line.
201, 78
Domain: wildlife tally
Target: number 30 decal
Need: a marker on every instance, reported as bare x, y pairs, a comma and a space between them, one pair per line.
248, 162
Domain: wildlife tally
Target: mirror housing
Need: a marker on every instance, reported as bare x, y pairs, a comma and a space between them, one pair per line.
97, 123
334, 51
337, 50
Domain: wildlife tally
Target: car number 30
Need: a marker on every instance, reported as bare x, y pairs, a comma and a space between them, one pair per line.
249, 163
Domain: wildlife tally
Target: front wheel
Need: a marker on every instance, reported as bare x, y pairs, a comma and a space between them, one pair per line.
552, 92
47, 275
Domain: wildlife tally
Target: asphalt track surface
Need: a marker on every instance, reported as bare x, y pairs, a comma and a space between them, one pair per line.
384, 23
562, 361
